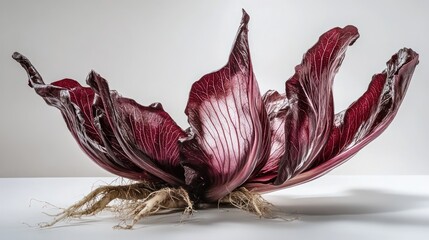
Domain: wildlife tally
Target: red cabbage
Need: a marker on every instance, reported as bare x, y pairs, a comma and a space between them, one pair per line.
236, 137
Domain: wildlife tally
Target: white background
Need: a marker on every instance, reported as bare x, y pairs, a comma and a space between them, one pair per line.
154, 50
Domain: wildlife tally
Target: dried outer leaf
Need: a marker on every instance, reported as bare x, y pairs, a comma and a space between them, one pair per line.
369, 116
309, 119
362, 121
228, 138
148, 135
75, 103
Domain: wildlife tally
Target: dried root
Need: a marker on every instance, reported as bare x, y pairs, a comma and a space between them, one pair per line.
163, 199
248, 201
138, 200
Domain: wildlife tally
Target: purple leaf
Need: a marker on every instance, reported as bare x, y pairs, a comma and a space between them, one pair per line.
362, 122
75, 103
309, 119
148, 135
370, 115
228, 138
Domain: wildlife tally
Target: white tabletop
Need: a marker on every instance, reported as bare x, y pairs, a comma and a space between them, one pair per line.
332, 207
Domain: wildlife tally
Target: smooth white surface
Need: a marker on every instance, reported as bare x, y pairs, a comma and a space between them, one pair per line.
332, 207
154, 50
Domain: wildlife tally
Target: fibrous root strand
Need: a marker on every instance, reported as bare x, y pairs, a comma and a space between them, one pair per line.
138, 200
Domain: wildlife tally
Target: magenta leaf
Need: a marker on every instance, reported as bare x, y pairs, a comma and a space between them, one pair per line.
370, 115
228, 138
75, 103
310, 116
148, 135
362, 122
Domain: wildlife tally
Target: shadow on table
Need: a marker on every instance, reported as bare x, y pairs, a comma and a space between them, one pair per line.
356, 204
356, 201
